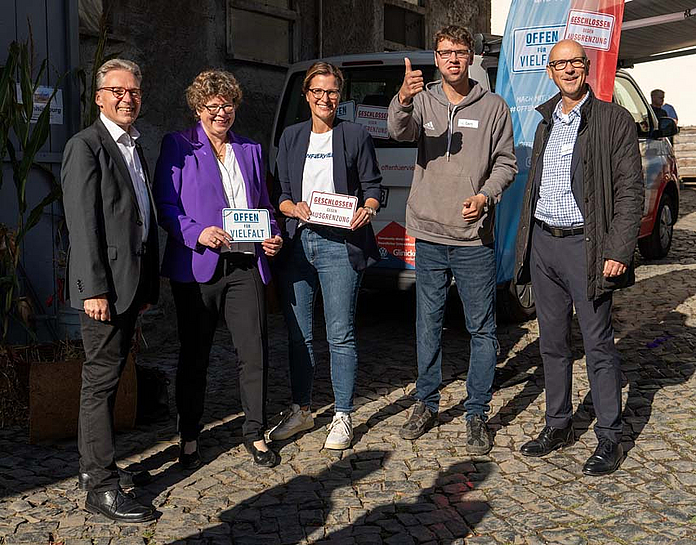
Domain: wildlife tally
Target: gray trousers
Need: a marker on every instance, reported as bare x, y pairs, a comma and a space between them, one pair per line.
559, 278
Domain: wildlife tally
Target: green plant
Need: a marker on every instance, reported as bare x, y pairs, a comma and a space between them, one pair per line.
21, 139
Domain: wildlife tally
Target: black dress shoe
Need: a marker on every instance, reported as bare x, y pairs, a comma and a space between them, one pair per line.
606, 458
190, 461
119, 506
262, 458
549, 440
126, 479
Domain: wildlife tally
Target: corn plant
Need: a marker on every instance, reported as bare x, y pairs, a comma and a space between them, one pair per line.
20, 139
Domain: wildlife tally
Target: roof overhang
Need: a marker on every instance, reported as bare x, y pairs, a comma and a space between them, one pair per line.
657, 30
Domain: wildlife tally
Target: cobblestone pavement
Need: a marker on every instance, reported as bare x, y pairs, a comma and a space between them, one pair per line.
388, 490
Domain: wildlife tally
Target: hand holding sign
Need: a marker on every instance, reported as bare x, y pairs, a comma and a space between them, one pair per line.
271, 246
214, 237
412, 85
302, 211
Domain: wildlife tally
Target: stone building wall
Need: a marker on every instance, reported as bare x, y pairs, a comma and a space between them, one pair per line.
174, 41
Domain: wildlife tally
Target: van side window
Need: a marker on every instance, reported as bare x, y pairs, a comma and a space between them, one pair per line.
626, 95
364, 85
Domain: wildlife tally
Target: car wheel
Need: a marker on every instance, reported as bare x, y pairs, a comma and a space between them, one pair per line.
516, 302
657, 244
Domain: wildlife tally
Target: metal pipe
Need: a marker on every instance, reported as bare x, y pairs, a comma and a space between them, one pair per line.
659, 19
321, 29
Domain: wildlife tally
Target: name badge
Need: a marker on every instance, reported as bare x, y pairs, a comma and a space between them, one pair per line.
468, 123
567, 149
332, 209
247, 225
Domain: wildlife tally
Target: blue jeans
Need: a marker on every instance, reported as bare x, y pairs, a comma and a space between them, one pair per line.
473, 268
319, 259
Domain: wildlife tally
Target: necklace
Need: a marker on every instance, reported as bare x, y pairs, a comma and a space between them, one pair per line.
219, 153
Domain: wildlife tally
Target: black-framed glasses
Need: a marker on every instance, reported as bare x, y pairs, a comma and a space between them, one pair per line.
577, 62
317, 93
458, 53
215, 108
120, 92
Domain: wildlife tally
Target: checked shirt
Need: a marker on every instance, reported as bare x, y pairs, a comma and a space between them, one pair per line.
556, 205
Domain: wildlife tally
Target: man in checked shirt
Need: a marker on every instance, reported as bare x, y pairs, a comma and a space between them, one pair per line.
578, 230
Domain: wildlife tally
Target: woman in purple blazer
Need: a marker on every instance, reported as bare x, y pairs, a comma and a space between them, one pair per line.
199, 172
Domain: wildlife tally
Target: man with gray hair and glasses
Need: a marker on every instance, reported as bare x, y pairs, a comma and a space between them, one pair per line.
112, 274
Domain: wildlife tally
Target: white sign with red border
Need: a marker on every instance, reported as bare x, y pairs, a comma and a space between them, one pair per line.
374, 119
332, 209
590, 29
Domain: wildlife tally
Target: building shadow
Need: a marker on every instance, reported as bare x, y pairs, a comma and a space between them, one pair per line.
296, 509
445, 513
660, 343
656, 347
314, 506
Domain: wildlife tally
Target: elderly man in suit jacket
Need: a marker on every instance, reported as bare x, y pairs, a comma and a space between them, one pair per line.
112, 273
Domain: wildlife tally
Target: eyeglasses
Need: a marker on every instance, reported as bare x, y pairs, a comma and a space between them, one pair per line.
120, 92
333, 94
458, 53
215, 108
577, 62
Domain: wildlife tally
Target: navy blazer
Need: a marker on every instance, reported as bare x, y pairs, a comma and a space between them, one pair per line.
355, 171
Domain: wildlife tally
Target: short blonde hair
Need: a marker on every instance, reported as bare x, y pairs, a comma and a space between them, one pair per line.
118, 64
321, 68
212, 83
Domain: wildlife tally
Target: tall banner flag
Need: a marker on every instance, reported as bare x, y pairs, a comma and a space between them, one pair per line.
533, 27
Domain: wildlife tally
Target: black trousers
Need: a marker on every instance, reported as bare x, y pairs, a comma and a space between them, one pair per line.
237, 290
559, 277
106, 345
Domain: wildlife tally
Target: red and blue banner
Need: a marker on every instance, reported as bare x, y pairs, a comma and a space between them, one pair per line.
533, 27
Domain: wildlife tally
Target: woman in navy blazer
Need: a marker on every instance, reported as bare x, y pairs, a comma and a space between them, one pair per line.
330, 155
200, 171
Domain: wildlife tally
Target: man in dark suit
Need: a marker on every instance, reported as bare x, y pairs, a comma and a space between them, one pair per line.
112, 273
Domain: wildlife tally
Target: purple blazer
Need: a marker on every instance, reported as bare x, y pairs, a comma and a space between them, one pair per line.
189, 196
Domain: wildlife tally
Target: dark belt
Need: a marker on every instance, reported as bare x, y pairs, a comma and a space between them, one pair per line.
559, 231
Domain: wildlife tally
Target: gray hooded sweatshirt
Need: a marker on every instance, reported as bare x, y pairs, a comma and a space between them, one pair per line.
463, 149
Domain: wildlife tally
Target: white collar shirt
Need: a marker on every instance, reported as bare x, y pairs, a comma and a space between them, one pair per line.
235, 191
126, 145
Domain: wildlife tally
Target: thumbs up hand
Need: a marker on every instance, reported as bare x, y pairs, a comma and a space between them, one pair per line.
412, 85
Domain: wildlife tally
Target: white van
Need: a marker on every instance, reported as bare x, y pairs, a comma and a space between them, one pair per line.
371, 80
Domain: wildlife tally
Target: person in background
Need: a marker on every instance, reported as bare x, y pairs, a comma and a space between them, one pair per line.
465, 161
200, 171
662, 109
326, 154
112, 274
578, 230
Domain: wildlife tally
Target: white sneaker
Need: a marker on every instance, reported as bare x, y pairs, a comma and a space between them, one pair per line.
294, 420
340, 432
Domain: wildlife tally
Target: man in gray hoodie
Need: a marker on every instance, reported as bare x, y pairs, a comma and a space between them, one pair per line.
465, 161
